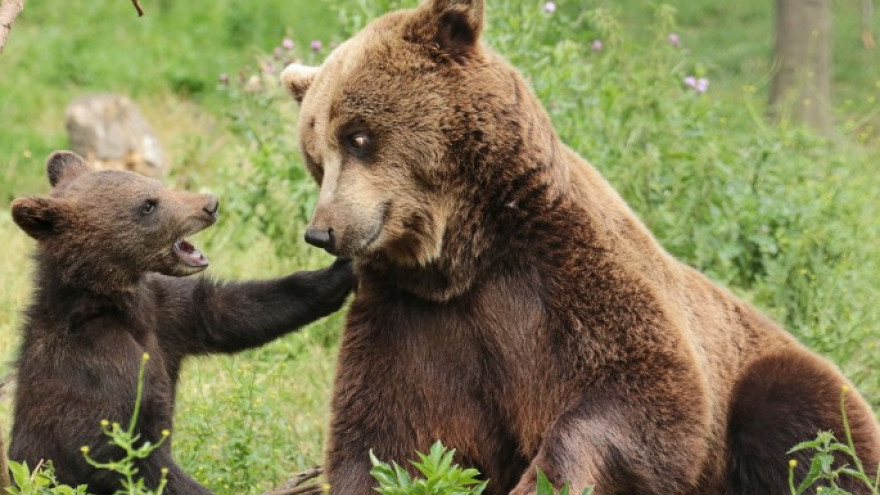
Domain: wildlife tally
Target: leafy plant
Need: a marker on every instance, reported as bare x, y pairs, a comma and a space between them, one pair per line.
442, 477
825, 473
545, 488
39, 482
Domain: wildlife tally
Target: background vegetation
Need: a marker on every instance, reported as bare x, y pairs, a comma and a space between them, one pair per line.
787, 220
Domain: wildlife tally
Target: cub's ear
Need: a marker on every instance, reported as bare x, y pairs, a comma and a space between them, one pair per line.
40, 218
63, 166
297, 78
454, 26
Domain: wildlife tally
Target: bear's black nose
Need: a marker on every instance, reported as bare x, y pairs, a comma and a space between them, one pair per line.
320, 237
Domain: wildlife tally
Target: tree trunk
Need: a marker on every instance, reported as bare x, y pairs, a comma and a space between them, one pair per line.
802, 84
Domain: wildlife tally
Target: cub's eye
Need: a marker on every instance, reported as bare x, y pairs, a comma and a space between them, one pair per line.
358, 143
149, 206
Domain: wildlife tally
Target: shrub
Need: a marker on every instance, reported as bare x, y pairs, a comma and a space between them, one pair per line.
442, 477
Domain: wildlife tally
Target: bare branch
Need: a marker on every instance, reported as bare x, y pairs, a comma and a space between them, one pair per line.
137, 6
9, 10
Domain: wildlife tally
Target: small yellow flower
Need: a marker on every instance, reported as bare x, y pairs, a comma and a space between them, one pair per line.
845, 388
105, 423
325, 487
164, 471
84, 449
115, 426
166, 433
145, 357
792, 463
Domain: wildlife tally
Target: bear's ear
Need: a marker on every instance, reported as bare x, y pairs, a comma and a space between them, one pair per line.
40, 218
63, 166
297, 78
454, 26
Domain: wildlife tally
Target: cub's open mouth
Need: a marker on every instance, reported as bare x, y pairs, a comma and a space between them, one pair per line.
189, 255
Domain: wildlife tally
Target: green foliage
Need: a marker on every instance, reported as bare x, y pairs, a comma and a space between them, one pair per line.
825, 469
269, 188
546, 488
441, 476
39, 482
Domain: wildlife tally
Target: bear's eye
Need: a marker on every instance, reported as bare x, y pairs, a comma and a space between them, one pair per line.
359, 140
149, 206
358, 143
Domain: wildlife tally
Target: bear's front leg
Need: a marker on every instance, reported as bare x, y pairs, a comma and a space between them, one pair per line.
646, 438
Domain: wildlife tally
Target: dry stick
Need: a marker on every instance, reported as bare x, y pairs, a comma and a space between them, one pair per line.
299, 490
295, 486
137, 7
9, 10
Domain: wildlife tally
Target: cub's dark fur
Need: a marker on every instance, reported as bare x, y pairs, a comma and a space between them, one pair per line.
110, 254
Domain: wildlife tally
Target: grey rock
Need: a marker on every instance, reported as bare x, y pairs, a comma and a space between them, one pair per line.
110, 132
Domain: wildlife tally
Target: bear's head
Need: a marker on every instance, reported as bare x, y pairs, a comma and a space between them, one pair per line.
418, 136
105, 229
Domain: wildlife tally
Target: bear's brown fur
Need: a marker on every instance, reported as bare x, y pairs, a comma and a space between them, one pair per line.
110, 250
511, 305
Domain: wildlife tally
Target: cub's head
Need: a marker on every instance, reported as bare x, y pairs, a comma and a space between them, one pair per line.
109, 227
394, 125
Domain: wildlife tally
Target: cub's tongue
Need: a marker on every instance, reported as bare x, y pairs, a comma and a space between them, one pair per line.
189, 254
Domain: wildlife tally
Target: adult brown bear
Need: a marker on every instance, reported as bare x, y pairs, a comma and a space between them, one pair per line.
511, 305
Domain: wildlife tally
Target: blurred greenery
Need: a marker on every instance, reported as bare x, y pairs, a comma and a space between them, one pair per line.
787, 220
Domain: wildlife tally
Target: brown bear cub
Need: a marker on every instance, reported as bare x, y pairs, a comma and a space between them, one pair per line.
111, 251
511, 305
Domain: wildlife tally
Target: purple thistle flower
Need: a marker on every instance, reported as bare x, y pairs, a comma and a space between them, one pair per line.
550, 7
673, 39
317, 45
596, 45
277, 53
269, 68
690, 81
287, 44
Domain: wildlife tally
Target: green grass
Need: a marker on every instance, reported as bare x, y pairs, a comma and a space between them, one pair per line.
787, 220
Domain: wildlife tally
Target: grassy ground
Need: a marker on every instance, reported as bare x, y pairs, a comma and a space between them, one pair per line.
788, 221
